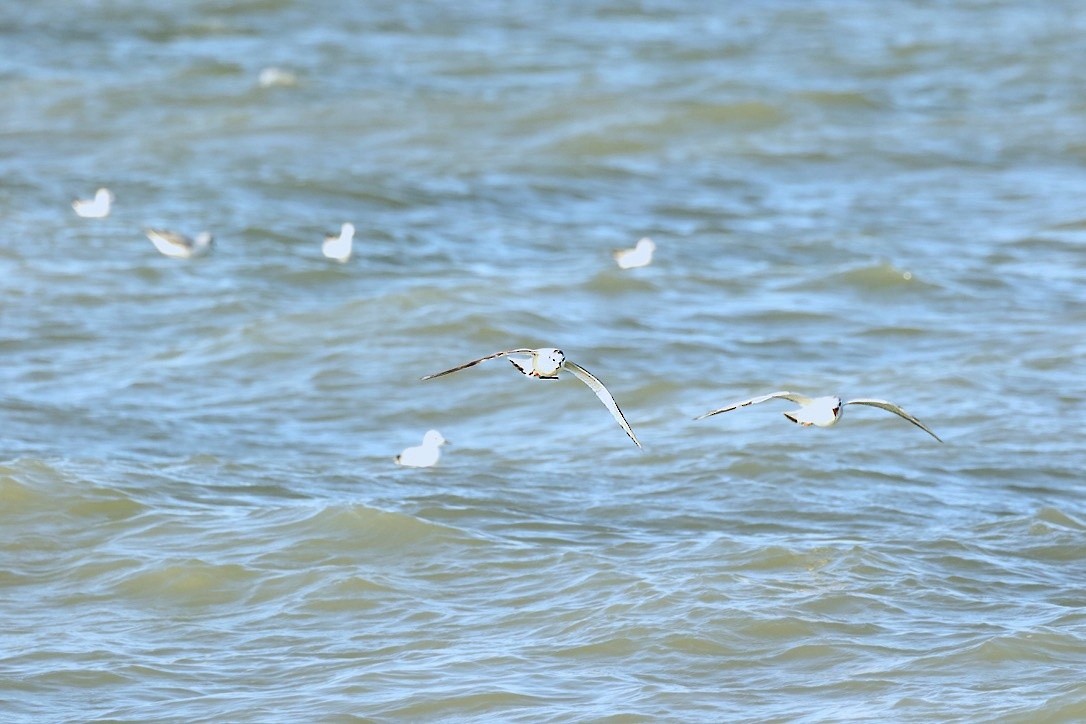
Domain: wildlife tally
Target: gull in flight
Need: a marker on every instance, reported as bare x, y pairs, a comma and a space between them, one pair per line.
821, 411
544, 364
424, 455
640, 255
338, 247
178, 246
96, 208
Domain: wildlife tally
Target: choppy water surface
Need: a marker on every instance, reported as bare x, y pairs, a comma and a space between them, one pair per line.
201, 517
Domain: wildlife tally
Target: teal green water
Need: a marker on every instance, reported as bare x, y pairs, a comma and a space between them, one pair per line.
202, 518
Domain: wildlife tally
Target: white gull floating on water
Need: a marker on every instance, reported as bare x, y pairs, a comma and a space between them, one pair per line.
179, 246
544, 364
96, 208
640, 255
338, 247
821, 411
425, 455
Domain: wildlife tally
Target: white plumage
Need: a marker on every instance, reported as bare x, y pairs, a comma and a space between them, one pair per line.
425, 455
820, 411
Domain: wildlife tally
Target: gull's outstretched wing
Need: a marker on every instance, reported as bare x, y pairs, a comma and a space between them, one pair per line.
891, 407
792, 396
605, 397
477, 361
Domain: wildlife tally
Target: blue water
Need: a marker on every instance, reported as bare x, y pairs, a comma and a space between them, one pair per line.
202, 517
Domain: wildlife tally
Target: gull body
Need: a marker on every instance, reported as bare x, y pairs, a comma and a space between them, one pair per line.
338, 247
821, 411
425, 455
178, 246
544, 364
96, 208
639, 255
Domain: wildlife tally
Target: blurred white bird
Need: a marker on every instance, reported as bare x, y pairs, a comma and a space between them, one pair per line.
96, 208
339, 247
640, 255
821, 411
179, 246
272, 76
425, 455
544, 364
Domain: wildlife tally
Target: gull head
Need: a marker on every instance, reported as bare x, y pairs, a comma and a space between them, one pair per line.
345, 235
202, 243
433, 438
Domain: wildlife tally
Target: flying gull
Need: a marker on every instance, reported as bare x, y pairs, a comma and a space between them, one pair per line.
544, 364
821, 411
